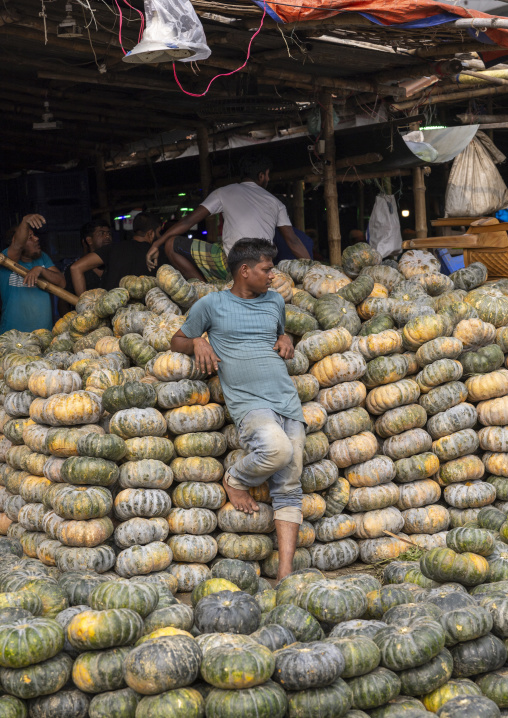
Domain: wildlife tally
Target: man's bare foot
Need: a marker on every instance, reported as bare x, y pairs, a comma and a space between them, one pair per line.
241, 500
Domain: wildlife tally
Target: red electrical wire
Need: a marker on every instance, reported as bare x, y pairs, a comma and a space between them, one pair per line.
120, 26
142, 24
224, 74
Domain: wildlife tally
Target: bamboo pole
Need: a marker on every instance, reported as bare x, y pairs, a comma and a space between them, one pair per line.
419, 200
494, 77
41, 283
298, 205
449, 97
330, 180
205, 171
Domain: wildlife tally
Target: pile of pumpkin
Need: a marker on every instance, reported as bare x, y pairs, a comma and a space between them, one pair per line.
114, 447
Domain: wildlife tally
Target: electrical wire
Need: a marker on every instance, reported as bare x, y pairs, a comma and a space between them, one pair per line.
224, 74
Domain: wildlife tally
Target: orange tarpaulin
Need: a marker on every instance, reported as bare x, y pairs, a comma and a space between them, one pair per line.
409, 13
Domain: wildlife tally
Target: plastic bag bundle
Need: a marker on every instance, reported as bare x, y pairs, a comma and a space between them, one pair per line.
173, 32
384, 227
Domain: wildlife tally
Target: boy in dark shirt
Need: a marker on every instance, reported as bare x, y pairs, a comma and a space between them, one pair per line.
121, 259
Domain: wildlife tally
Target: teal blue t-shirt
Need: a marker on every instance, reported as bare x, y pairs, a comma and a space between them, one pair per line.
24, 308
242, 333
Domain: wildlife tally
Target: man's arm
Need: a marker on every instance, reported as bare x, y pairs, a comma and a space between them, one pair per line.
181, 227
27, 224
50, 274
294, 244
78, 269
205, 357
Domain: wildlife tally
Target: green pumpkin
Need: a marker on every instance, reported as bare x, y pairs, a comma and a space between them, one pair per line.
238, 572
95, 630
494, 685
473, 539
443, 564
24, 643
374, 689
78, 586
128, 395
11, 707
89, 471
333, 311
102, 446
153, 447
332, 700
490, 303
358, 256
428, 677
465, 623
482, 361
162, 664
115, 704
361, 654
358, 290
491, 518
376, 325
481, 655
137, 349
302, 624
266, 701
470, 277
407, 647
40, 679
99, 671
385, 370
178, 615
53, 598
238, 667
60, 705
299, 321
332, 601
110, 303
140, 597
137, 285
186, 702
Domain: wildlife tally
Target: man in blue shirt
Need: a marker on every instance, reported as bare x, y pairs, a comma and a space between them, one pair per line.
245, 328
24, 306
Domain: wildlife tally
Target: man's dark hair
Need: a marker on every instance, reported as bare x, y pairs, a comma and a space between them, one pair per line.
144, 222
249, 251
88, 228
252, 165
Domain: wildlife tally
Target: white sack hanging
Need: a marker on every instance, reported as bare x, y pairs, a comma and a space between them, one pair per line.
475, 187
383, 232
173, 32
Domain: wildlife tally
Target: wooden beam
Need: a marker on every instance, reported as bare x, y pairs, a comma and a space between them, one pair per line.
445, 49
419, 200
205, 172
449, 97
330, 179
298, 205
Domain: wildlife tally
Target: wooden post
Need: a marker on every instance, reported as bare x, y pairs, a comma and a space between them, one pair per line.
102, 191
298, 205
205, 171
330, 179
419, 200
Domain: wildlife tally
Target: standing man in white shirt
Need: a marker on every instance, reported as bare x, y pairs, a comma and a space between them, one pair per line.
248, 210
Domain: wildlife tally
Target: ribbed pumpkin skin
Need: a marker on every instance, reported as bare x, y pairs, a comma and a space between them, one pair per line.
138, 560
449, 690
465, 624
266, 700
238, 667
114, 704
443, 564
24, 643
333, 602
439, 348
385, 370
466, 468
140, 597
211, 443
410, 646
107, 446
187, 700
95, 630
141, 531
317, 345
228, 612
82, 502
189, 494
309, 665
130, 423
444, 397
39, 679
455, 445
185, 392
459, 417
163, 664
378, 470
146, 474
247, 547
374, 689
347, 423
338, 368
342, 396
149, 447
89, 471
400, 419
383, 398
477, 540
481, 655
99, 671
401, 446
494, 686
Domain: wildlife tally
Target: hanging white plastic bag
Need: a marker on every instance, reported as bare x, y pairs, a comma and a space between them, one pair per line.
173, 32
475, 187
383, 232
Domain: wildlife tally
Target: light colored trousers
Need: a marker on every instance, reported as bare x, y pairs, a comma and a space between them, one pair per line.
275, 444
